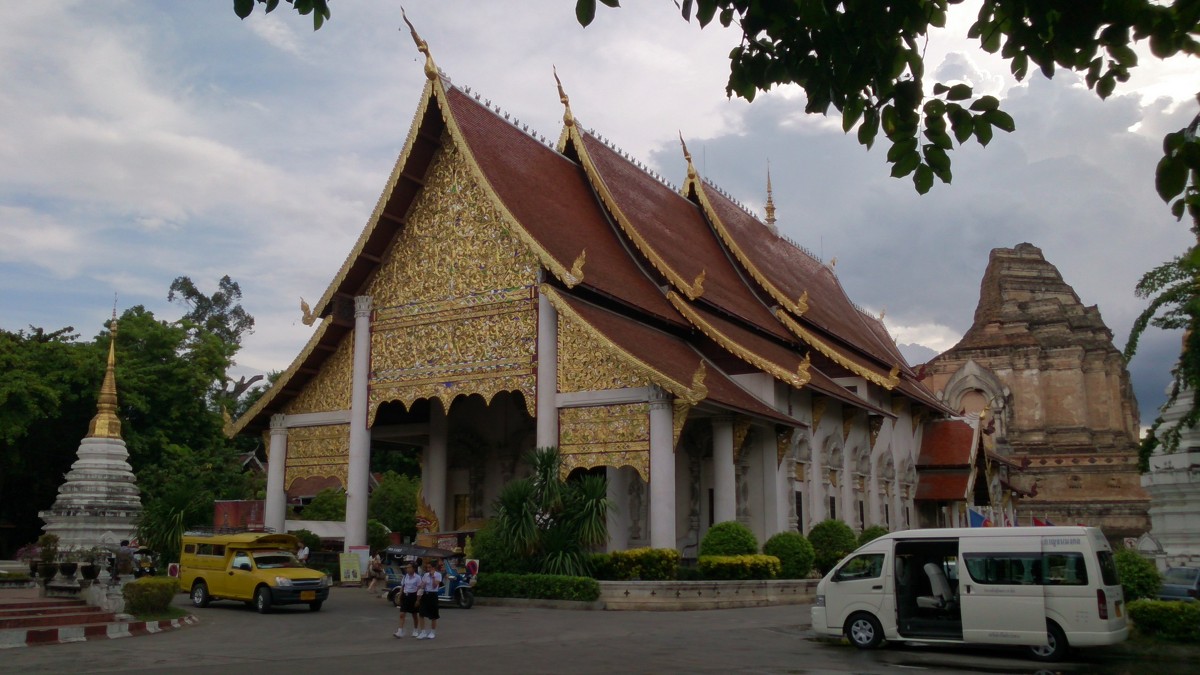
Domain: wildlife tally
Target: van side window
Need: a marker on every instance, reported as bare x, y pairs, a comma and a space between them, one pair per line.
204, 549
1005, 569
1066, 569
241, 560
218, 549
1108, 568
866, 566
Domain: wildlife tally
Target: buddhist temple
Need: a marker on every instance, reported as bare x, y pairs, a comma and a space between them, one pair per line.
510, 293
1044, 366
99, 504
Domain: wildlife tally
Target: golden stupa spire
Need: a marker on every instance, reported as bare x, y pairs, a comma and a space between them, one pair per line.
770, 208
106, 424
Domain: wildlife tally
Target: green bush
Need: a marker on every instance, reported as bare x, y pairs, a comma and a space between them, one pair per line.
1170, 620
831, 541
539, 586
794, 552
308, 538
601, 566
689, 574
728, 538
1139, 576
647, 564
871, 534
739, 567
495, 556
150, 595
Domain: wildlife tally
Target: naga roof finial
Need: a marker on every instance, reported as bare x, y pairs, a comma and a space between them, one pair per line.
691, 168
568, 118
431, 70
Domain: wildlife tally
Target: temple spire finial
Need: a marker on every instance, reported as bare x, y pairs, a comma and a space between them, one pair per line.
691, 168
431, 70
106, 424
770, 208
568, 118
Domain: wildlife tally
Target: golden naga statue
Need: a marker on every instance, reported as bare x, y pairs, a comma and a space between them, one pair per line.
427, 520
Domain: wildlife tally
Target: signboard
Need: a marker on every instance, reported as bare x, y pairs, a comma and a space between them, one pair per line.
173, 570
351, 568
239, 514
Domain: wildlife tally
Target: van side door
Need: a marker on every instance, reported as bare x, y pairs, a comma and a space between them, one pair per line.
1000, 590
239, 578
860, 584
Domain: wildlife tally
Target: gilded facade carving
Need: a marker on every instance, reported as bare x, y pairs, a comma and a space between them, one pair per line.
741, 428
875, 424
456, 310
783, 442
330, 388
317, 451
819, 403
585, 365
612, 435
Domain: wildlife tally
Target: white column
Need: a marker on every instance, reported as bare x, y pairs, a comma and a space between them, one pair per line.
275, 509
359, 470
433, 475
724, 478
547, 374
773, 518
662, 474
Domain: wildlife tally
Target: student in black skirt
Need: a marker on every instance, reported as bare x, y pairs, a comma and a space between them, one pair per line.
430, 582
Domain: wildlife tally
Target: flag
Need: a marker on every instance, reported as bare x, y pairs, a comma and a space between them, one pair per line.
977, 519
1039, 522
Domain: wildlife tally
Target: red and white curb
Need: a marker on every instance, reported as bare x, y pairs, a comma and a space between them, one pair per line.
48, 636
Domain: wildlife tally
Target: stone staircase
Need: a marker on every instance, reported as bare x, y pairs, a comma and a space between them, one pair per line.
39, 621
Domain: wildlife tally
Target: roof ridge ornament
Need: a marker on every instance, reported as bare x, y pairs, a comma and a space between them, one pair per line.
568, 117
431, 69
770, 207
691, 168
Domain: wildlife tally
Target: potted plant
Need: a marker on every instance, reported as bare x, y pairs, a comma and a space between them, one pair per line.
48, 543
93, 558
69, 564
31, 554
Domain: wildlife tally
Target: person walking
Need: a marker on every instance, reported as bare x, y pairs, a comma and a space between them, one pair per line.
428, 600
375, 569
410, 585
302, 554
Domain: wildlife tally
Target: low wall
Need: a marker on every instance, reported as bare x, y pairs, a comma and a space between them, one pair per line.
685, 595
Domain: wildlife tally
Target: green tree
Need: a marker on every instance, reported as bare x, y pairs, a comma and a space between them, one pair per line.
831, 540
318, 8
871, 533
553, 522
1139, 577
328, 504
394, 503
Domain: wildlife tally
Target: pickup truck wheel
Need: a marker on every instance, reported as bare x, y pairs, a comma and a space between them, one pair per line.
1056, 646
314, 606
262, 600
864, 631
464, 597
200, 597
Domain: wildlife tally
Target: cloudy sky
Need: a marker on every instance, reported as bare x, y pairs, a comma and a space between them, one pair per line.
147, 140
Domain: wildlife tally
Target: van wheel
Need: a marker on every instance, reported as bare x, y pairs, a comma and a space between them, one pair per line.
200, 597
863, 631
464, 597
1056, 646
262, 600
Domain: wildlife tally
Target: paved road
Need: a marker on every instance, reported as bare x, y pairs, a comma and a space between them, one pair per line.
352, 634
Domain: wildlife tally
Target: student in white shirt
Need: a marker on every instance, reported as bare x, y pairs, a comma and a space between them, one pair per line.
410, 585
430, 583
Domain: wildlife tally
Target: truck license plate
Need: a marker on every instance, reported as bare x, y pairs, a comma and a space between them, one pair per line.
308, 595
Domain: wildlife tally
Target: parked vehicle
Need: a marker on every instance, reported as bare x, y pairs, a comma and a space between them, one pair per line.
258, 568
1181, 583
458, 578
1046, 588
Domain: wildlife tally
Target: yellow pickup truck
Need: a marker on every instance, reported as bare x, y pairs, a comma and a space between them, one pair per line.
258, 568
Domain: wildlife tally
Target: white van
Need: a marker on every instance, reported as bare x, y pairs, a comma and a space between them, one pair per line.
1048, 588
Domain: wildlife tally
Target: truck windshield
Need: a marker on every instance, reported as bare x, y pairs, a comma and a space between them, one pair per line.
266, 560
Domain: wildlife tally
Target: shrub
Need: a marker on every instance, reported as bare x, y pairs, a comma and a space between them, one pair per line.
831, 541
871, 534
689, 574
794, 552
308, 538
602, 567
150, 595
539, 586
728, 538
1170, 620
647, 564
739, 567
1139, 576
496, 556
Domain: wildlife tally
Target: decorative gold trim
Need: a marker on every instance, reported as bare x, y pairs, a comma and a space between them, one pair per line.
783, 442
889, 382
693, 394
741, 428
431, 70
796, 379
819, 404
306, 314
693, 289
577, 266
427, 518
679, 415
848, 415
281, 382
875, 424
795, 306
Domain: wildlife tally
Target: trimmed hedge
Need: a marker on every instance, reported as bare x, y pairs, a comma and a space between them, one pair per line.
739, 567
1170, 620
150, 595
1139, 576
794, 552
537, 586
728, 538
647, 564
831, 540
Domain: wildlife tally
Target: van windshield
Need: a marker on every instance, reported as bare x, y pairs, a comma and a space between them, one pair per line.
266, 560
